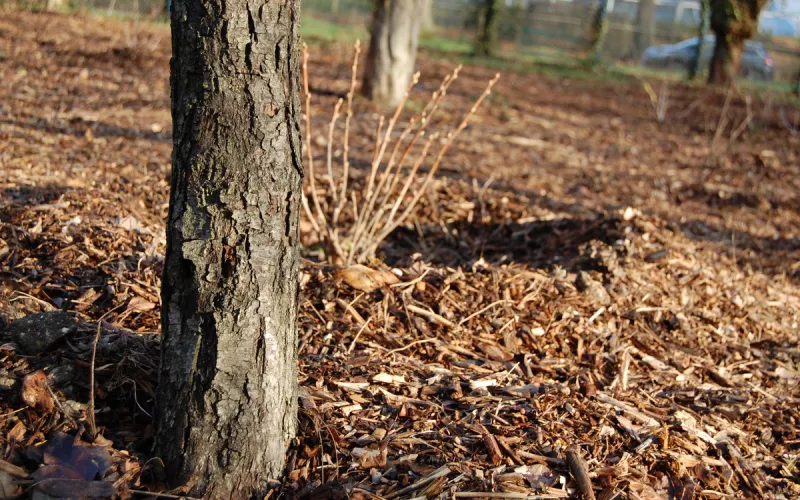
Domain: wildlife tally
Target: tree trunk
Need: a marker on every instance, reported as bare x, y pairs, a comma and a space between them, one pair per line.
227, 395
645, 27
427, 23
733, 22
486, 43
392, 50
726, 60
599, 32
697, 61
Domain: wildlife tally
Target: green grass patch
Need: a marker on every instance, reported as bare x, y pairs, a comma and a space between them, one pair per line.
321, 29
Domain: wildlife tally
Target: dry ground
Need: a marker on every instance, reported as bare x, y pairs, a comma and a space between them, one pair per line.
679, 381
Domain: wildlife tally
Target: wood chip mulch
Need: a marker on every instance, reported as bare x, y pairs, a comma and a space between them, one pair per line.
589, 303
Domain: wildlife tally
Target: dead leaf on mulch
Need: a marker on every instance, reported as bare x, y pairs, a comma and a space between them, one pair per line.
368, 458
73, 470
366, 279
7, 487
138, 304
35, 393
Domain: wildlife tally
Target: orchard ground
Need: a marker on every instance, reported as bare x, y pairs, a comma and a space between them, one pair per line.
581, 275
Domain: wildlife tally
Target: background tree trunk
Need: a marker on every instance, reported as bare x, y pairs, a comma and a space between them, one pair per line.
697, 62
227, 395
392, 49
733, 22
599, 32
645, 27
486, 42
427, 24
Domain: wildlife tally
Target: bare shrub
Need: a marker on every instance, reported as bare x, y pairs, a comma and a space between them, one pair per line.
352, 219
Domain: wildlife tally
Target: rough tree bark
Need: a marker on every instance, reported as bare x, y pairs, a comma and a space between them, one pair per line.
392, 49
486, 42
227, 395
733, 22
645, 26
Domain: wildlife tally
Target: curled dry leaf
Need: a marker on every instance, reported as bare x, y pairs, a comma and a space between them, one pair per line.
35, 393
539, 476
368, 458
643, 491
366, 279
7, 487
75, 488
139, 304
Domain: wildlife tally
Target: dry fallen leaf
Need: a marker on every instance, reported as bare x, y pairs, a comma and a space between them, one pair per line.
138, 304
7, 487
366, 279
368, 458
35, 393
130, 223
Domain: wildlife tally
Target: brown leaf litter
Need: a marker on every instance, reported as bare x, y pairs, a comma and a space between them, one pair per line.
494, 367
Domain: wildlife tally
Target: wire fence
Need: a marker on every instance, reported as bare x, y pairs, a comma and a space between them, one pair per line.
561, 31
554, 32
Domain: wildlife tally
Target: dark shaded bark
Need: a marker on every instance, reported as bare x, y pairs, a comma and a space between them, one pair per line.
487, 40
392, 49
227, 395
726, 60
599, 32
733, 22
645, 26
695, 67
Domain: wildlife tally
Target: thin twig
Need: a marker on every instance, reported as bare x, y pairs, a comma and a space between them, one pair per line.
477, 313
90, 416
355, 339
580, 472
346, 145
431, 315
162, 495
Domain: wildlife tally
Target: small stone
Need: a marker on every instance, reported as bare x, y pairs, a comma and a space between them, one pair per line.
601, 256
38, 332
7, 381
656, 256
585, 284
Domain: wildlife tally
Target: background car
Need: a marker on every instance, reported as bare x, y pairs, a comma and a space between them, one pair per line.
756, 62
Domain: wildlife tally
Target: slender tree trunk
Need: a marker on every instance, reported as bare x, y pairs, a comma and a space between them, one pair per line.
600, 30
427, 23
645, 27
227, 395
697, 62
486, 43
733, 22
392, 50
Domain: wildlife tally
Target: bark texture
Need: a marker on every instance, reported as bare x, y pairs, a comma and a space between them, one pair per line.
226, 402
392, 49
645, 26
733, 22
697, 61
486, 43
